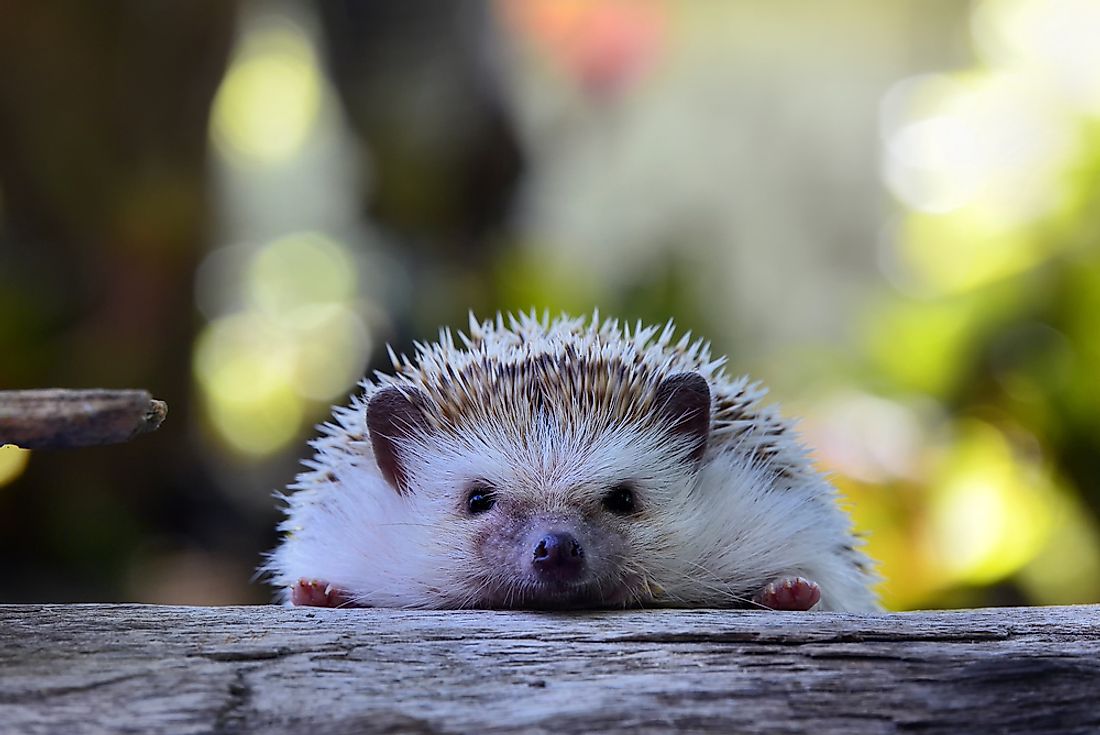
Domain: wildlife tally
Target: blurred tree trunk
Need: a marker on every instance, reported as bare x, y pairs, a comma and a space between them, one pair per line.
103, 134
421, 87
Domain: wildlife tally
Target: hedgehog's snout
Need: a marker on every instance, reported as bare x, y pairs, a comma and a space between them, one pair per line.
558, 557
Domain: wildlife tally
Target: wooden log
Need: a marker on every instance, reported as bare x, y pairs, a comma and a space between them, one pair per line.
59, 419
134, 668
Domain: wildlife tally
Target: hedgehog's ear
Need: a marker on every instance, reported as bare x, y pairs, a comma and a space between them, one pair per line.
684, 401
393, 415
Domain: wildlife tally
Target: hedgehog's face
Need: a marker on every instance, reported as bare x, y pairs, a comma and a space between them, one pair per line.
547, 517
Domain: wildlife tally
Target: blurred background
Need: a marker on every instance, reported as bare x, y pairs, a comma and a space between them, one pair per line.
890, 212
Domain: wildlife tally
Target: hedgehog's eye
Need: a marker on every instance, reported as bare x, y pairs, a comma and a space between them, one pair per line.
620, 499
480, 498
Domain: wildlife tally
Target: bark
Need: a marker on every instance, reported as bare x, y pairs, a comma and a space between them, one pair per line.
96, 668
59, 419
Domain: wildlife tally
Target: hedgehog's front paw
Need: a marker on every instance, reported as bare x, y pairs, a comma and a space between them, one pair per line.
315, 593
788, 593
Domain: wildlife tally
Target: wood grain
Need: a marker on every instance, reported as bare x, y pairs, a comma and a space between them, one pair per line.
134, 668
59, 419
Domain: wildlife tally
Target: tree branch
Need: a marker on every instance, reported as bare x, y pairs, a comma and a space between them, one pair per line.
58, 419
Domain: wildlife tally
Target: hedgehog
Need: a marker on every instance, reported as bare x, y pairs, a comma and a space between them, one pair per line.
564, 464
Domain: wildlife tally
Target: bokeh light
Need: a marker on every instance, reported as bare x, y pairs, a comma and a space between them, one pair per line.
245, 369
13, 460
602, 46
867, 438
989, 511
992, 141
1053, 38
269, 99
298, 339
290, 276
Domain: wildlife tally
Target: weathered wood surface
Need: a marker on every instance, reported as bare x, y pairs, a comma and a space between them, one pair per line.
133, 668
59, 419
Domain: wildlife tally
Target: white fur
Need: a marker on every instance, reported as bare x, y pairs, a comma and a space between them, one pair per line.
753, 510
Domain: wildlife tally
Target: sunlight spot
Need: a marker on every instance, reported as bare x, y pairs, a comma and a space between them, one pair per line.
298, 271
989, 513
994, 142
245, 371
865, 437
13, 460
297, 337
270, 97
1054, 38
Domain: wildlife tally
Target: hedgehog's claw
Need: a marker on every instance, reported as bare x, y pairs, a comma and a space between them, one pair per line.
314, 593
789, 593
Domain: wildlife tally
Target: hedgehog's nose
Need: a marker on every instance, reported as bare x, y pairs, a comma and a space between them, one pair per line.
558, 556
